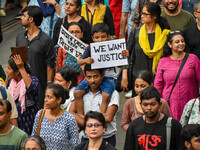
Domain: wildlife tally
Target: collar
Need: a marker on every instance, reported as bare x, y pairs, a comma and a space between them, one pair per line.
35, 38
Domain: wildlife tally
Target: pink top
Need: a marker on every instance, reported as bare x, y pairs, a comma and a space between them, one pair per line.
186, 86
129, 112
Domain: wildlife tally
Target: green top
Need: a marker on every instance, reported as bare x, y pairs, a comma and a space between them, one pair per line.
180, 21
12, 140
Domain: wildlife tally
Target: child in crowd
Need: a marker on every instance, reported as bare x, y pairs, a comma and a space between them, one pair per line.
100, 33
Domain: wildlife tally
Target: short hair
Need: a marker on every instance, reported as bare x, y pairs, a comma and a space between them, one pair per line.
100, 27
15, 68
189, 131
75, 23
37, 139
8, 105
88, 68
150, 92
145, 75
35, 12
95, 115
196, 5
69, 74
59, 91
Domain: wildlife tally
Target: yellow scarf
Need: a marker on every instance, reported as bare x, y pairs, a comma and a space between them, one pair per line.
157, 51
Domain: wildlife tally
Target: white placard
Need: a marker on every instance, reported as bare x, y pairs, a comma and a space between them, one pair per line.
108, 54
70, 43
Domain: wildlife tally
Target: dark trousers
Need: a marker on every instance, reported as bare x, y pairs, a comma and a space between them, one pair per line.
111, 140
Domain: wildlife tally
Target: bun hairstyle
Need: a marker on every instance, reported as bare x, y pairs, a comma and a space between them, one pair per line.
59, 91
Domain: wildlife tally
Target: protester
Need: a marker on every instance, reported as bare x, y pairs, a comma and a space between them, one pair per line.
52, 10
191, 112
71, 9
40, 50
136, 17
25, 90
149, 130
95, 127
67, 78
191, 136
92, 101
100, 33
178, 18
128, 7
192, 33
58, 127
34, 142
188, 5
95, 12
132, 108
66, 59
2, 73
11, 137
145, 44
186, 86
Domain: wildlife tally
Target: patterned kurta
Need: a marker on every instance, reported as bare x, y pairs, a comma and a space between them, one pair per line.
59, 135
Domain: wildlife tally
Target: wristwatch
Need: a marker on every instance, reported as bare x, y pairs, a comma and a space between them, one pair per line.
55, 4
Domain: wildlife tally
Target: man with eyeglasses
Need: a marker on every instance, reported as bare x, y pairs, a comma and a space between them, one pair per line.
92, 101
177, 18
192, 32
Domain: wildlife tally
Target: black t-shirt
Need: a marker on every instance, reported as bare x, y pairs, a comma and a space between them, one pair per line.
145, 136
192, 38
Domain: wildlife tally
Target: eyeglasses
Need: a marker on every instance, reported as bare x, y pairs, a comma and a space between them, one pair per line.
176, 31
96, 125
145, 14
75, 32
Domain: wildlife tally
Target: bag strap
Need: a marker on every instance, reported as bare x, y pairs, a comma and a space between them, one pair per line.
178, 74
191, 109
168, 132
40, 121
135, 108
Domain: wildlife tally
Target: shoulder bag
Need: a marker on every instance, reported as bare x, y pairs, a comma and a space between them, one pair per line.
40, 121
178, 74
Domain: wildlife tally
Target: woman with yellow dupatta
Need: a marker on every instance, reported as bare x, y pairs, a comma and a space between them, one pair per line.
145, 44
95, 12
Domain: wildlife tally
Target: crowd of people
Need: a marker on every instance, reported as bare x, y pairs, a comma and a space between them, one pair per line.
57, 101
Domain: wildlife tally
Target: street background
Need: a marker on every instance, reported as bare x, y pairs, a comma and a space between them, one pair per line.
11, 27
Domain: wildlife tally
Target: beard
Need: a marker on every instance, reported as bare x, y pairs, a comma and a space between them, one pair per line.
153, 116
172, 10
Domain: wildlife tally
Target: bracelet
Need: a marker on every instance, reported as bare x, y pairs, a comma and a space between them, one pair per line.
55, 4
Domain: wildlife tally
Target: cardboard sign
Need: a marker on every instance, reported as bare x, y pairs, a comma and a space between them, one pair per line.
70, 43
108, 54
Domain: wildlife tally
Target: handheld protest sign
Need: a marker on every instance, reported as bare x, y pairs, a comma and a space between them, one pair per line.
20, 51
70, 43
108, 54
